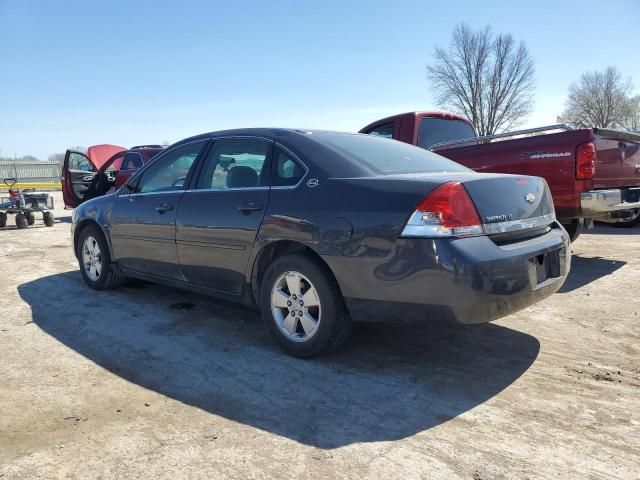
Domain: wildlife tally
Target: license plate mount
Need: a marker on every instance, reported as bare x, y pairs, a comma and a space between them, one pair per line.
547, 266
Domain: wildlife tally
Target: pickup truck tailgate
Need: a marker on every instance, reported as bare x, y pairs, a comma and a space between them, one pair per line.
617, 159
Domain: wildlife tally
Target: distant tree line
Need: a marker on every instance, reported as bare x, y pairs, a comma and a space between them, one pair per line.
489, 79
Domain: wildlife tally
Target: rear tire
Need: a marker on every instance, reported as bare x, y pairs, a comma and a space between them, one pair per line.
632, 222
49, 219
21, 221
574, 229
325, 305
3, 219
94, 260
31, 218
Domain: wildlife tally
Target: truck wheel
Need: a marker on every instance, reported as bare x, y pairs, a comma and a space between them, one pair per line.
302, 307
3, 219
94, 260
631, 222
48, 219
21, 221
31, 218
574, 229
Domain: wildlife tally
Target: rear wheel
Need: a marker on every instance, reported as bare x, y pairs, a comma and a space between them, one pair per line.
31, 218
632, 221
302, 307
3, 219
21, 221
94, 260
574, 228
48, 219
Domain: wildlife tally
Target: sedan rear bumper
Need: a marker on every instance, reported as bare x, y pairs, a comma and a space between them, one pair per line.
602, 201
470, 280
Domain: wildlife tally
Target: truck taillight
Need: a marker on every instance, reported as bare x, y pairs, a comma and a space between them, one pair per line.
446, 212
586, 161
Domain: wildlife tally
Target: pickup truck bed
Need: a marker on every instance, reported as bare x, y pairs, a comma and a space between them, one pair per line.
592, 173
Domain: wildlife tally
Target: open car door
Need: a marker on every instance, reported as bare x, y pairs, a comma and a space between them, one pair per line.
79, 170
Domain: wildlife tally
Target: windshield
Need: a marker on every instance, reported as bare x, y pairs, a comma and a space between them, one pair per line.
385, 156
437, 130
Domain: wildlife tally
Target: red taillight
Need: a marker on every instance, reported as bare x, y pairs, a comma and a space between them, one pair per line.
585, 161
447, 211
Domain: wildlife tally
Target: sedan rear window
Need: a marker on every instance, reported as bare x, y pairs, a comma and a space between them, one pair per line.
386, 157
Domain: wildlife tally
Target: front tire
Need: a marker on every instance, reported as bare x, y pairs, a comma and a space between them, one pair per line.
21, 221
95, 262
302, 307
48, 219
31, 218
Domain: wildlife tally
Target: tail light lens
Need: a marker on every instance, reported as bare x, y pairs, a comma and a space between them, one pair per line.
586, 161
446, 212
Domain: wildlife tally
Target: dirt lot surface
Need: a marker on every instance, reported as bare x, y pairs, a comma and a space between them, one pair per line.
149, 382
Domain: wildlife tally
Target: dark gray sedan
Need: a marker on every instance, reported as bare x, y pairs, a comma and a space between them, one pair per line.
318, 229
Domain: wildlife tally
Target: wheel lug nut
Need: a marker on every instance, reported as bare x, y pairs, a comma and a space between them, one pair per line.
288, 304
295, 297
300, 313
301, 303
293, 314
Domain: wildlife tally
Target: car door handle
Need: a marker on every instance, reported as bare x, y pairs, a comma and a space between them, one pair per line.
164, 207
249, 207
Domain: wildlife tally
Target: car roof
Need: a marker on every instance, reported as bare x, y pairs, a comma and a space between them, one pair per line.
305, 143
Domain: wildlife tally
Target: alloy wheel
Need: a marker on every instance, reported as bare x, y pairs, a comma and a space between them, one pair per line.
295, 306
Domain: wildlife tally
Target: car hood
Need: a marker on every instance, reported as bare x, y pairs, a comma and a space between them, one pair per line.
99, 154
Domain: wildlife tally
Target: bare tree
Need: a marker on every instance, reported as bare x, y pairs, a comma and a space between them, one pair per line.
487, 78
632, 114
598, 99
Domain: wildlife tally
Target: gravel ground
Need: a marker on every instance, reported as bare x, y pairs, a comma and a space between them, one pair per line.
149, 382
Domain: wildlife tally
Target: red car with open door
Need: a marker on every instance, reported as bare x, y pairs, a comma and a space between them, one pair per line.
101, 169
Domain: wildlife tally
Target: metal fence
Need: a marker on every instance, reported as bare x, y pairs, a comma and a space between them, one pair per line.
41, 175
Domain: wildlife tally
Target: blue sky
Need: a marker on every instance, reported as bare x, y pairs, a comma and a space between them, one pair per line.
130, 72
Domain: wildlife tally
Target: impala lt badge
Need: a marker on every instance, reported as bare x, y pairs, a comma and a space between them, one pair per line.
530, 197
499, 218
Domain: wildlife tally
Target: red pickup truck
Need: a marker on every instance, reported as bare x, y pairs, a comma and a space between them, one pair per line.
593, 173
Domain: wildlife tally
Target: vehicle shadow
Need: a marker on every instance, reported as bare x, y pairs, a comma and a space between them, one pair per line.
585, 270
602, 228
391, 381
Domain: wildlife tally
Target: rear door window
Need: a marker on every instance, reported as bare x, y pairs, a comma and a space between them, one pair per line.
236, 163
438, 130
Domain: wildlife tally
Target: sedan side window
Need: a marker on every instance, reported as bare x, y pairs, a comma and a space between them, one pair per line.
235, 163
286, 171
170, 172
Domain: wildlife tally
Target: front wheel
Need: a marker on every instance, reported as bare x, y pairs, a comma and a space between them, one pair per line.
48, 219
303, 307
94, 260
21, 221
31, 218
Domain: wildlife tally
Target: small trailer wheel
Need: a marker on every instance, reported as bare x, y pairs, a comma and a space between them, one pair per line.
3, 219
21, 221
31, 218
48, 219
